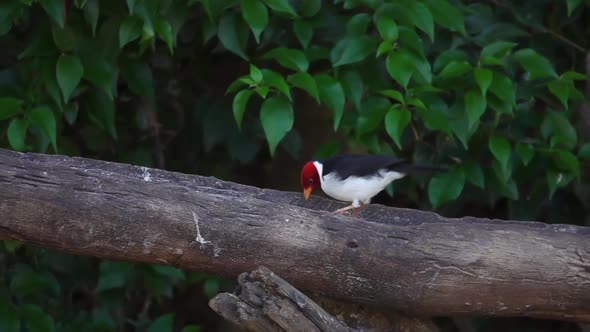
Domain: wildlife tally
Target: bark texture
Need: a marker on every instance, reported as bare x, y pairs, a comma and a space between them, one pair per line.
413, 261
264, 301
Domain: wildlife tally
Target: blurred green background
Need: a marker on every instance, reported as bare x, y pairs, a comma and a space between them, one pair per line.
249, 90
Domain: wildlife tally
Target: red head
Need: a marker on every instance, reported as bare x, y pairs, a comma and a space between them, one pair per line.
310, 179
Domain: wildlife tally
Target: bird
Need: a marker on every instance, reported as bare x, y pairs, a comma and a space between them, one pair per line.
356, 178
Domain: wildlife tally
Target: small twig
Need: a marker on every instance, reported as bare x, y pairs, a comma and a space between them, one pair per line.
536, 28
146, 305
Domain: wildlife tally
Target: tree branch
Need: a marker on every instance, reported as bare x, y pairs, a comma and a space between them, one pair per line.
407, 260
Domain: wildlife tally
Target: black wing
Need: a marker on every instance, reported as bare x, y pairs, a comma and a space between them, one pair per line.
361, 165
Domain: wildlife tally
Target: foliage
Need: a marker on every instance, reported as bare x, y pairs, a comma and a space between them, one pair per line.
236, 89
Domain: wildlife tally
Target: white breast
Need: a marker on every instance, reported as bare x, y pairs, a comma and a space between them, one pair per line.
356, 189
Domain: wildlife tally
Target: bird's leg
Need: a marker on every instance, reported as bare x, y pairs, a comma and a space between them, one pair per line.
357, 211
344, 209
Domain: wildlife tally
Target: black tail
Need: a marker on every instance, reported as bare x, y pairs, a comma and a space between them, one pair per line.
418, 168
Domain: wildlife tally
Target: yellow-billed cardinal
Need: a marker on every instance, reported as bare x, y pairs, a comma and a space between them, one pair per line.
355, 178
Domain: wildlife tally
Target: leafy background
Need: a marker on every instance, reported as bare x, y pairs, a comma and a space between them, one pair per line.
249, 90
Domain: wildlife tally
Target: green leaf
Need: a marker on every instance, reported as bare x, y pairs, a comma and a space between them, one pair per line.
393, 94
434, 118
9, 107
91, 13
455, 69
55, 10
561, 90
171, 272
310, 7
276, 80
35, 319
500, 148
422, 69
534, 63
484, 78
474, 173
584, 152
9, 316
372, 113
239, 83
42, 117
276, 116
98, 71
17, 132
497, 49
69, 71
191, 328
573, 76
164, 323
503, 88
130, 29
352, 49
64, 38
138, 76
409, 39
510, 189
27, 282
384, 47
305, 81
475, 105
332, 94
446, 187
400, 66
567, 161
526, 152
446, 15
503, 173
255, 14
556, 124
357, 25
387, 28
396, 121
572, 5
101, 110
421, 17
281, 6
131, 6
459, 125
71, 113
353, 85
211, 287
255, 74
289, 58
239, 105
233, 34
447, 56
263, 91
164, 31
113, 274
304, 32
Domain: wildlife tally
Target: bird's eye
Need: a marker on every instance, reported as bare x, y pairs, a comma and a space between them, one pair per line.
310, 181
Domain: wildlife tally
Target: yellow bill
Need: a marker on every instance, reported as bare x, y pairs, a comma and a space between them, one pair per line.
307, 192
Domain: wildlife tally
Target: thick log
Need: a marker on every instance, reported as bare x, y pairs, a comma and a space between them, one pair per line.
264, 301
408, 260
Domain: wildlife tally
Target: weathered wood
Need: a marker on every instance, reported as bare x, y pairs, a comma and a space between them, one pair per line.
413, 261
283, 307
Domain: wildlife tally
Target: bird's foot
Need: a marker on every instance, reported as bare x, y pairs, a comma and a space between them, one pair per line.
356, 212
346, 210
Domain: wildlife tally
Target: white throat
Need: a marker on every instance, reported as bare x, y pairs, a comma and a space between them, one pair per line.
320, 168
